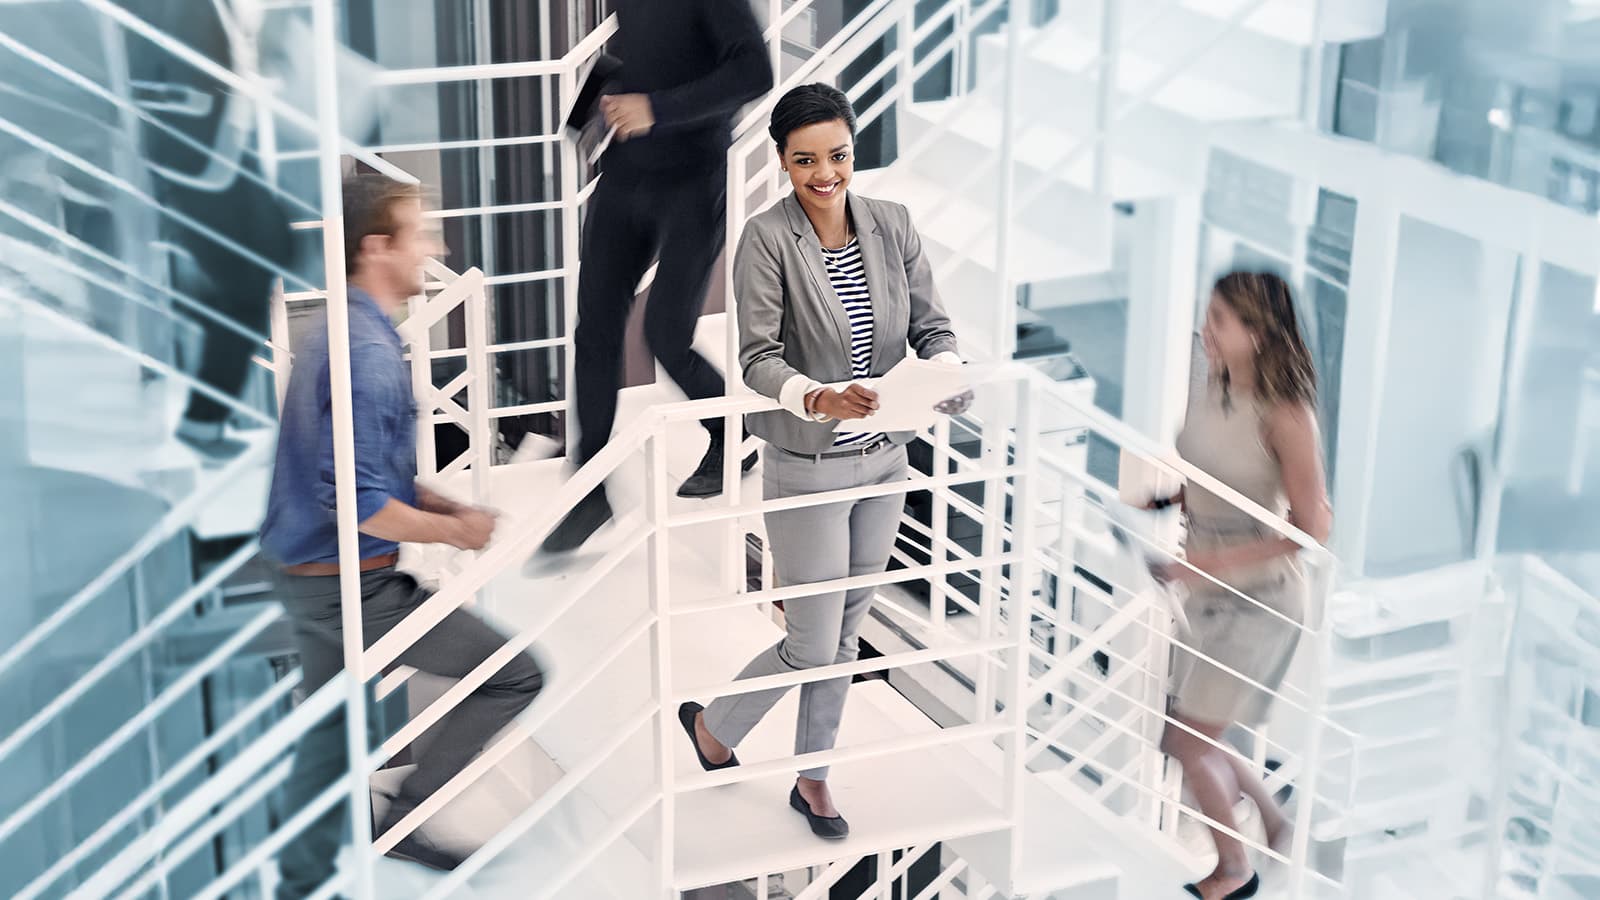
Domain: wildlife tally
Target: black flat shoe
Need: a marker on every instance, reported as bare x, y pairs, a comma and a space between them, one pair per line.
583, 521
686, 715
415, 847
833, 828
1248, 889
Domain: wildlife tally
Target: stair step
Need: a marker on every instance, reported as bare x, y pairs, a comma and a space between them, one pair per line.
958, 222
1041, 145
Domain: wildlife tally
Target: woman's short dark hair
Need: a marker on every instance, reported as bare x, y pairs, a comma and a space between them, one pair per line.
809, 104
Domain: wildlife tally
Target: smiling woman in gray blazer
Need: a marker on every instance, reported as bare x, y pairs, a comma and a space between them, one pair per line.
830, 287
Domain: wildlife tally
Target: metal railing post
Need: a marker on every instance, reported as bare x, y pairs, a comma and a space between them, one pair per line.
1317, 709
422, 388
1024, 576
571, 240
324, 16
1005, 335
482, 440
660, 578
939, 527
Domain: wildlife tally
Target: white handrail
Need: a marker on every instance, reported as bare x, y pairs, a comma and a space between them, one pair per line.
254, 89
651, 426
125, 650
1232, 24
177, 820
88, 85
165, 369
546, 802
82, 165
258, 855
76, 244
169, 695
169, 780
237, 805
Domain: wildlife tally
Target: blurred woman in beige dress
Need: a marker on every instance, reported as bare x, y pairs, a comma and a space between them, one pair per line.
1251, 424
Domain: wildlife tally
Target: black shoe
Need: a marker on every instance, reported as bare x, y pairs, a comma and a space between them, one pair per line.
1248, 889
707, 478
833, 828
584, 520
1285, 792
415, 847
214, 452
686, 715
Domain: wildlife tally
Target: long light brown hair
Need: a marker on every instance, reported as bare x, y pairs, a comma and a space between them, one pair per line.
1264, 304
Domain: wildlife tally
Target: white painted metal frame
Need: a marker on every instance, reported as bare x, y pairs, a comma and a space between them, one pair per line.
1004, 658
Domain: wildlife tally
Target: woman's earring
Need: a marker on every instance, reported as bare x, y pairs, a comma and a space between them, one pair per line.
1256, 342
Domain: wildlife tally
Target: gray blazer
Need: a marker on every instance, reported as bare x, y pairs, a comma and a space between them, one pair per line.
792, 323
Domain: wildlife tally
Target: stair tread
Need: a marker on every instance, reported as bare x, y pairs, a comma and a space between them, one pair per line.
959, 222
1190, 94
1289, 21
1043, 146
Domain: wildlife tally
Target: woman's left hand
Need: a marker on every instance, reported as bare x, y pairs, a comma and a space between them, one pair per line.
1184, 571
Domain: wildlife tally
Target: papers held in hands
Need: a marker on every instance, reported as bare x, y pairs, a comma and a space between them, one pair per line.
910, 395
1130, 530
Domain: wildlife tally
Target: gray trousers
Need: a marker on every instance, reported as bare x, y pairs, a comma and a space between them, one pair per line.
812, 544
452, 648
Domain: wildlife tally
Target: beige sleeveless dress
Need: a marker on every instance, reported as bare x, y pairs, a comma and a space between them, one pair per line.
1227, 443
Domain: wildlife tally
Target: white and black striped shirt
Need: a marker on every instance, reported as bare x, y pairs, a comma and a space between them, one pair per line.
849, 279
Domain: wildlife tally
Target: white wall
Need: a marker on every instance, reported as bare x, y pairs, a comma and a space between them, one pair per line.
1452, 299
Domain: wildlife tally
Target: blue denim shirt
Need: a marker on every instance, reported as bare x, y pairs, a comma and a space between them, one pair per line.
300, 525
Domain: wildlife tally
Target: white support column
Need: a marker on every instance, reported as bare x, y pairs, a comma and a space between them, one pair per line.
991, 457
1322, 576
325, 26
1366, 359
658, 545
422, 389
278, 330
481, 442
939, 526
733, 552
1024, 577
1106, 95
571, 261
1005, 336
1162, 278
775, 46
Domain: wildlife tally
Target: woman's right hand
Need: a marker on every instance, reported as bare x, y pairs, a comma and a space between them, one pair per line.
854, 402
1157, 503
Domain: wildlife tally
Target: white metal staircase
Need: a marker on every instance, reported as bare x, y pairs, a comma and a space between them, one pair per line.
1049, 785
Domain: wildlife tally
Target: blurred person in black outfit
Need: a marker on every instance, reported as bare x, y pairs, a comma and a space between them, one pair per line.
687, 66
218, 188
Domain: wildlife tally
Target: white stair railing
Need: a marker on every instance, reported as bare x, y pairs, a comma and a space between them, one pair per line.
647, 436
1008, 673
124, 281
909, 65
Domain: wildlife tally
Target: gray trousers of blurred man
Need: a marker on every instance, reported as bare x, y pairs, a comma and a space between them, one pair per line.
452, 648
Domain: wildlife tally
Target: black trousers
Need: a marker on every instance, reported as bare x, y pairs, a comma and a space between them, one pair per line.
244, 212
226, 281
452, 648
633, 218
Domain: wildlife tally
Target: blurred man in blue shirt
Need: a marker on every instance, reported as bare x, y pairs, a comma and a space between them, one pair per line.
385, 246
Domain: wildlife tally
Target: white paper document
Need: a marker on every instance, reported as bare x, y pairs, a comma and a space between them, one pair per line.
1130, 529
908, 394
